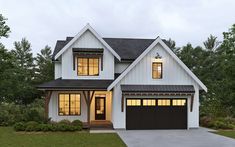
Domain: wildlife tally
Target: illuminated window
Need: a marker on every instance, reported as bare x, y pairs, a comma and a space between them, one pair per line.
69, 104
157, 70
88, 66
163, 102
179, 102
149, 102
133, 102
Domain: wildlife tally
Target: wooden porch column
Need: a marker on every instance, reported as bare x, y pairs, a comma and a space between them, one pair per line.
47, 100
122, 103
88, 98
191, 104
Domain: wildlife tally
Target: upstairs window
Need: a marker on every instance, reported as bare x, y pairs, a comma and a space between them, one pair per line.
88, 66
157, 70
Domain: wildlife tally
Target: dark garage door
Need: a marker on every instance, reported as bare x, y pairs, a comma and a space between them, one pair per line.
156, 113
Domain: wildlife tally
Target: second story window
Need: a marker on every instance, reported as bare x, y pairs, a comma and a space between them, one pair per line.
157, 70
88, 66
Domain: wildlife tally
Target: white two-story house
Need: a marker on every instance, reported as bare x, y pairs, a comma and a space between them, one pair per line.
130, 83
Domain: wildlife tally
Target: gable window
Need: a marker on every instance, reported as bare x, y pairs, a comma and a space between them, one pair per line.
157, 70
88, 66
69, 104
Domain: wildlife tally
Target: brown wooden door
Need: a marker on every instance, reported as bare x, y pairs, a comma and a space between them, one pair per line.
100, 108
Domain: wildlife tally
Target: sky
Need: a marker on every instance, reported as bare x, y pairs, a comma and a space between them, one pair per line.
43, 22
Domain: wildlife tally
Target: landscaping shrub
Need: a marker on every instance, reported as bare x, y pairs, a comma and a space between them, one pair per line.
218, 123
65, 122
11, 113
32, 126
20, 126
35, 126
77, 123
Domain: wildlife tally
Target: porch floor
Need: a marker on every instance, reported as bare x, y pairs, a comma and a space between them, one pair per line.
99, 125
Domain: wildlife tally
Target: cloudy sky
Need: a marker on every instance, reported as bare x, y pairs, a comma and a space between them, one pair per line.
43, 22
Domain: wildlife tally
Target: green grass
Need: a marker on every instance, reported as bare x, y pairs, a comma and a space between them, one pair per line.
230, 134
10, 138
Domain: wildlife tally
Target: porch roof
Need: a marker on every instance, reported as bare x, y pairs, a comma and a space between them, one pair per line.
76, 84
158, 88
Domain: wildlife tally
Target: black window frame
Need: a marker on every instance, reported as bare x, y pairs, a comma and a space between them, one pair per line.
87, 58
69, 105
157, 70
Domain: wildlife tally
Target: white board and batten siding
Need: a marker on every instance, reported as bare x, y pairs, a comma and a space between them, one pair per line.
57, 70
54, 112
173, 74
86, 40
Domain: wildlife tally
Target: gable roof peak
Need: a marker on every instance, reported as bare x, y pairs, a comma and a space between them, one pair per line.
87, 27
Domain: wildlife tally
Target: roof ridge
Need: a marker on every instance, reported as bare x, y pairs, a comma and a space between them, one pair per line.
128, 38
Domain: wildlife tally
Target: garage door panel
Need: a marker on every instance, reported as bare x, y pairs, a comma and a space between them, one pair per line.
156, 117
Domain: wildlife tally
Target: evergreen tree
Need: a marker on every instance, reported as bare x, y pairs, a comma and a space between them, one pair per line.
4, 29
24, 72
45, 67
211, 43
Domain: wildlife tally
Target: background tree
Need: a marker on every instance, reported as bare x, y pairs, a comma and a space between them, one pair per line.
172, 45
4, 29
211, 43
24, 72
45, 67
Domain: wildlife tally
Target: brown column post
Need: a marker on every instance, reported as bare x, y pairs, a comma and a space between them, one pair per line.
47, 100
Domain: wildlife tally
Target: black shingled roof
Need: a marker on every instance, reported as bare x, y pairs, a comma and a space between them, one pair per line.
158, 88
64, 84
126, 48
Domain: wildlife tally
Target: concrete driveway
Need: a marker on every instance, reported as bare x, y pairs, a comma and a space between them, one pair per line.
174, 138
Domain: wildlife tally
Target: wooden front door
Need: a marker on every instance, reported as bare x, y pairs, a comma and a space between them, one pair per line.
100, 108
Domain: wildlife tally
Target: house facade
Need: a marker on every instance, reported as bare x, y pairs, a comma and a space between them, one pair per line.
131, 83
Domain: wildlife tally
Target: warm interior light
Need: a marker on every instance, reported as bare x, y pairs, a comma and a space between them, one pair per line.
157, 60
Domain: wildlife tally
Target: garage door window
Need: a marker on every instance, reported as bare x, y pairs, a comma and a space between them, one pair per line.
178, 102
163, 102
133, 102
149, 102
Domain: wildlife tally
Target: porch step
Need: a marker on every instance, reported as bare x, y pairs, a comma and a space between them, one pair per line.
99, 125
102, 131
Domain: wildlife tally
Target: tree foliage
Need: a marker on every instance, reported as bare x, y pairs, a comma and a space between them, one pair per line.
4, 28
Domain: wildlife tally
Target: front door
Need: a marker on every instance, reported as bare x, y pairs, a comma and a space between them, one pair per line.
100, 108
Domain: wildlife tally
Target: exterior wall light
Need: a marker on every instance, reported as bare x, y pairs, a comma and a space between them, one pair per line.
158, 58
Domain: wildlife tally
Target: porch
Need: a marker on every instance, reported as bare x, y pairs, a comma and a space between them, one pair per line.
86, 100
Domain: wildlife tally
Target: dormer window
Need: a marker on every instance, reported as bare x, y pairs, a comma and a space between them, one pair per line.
88, 66
157, 70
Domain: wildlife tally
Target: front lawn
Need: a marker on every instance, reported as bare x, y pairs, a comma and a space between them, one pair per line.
10, 138
230, 134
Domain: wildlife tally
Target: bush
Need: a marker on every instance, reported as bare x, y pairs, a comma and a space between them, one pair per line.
11, 113
65, 122
77, 123
19, 126
218, 123
32, 126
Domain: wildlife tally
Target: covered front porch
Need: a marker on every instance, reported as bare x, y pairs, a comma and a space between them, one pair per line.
86, 100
